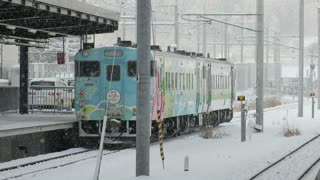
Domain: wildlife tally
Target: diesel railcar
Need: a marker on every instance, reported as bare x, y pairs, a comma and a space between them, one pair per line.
188, 90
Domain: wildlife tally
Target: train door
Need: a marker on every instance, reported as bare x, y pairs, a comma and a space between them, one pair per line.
209, 87
113, 86
233, 78
204, 87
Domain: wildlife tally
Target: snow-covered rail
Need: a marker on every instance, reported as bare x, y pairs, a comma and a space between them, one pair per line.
48, 163
311, 171
41, 161
252, 112
294, 164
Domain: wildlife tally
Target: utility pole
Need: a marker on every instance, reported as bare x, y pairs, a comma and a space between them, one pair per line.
221, 39
204, 33
204, 40
153, 30
276, 56
312, 67
143, 89
301, 49
198, 38
266, 68
214, 42
260, 62
176, 21
124, 27
1, 62
241, 46
226, 41
318, 56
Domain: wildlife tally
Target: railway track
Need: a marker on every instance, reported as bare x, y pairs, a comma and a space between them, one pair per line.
10, 170
304, 175
88, 154
15, 171
290, 166
41, 161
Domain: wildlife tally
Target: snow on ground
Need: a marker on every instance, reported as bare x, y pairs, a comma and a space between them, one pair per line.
15, 121
219, 158
18, 162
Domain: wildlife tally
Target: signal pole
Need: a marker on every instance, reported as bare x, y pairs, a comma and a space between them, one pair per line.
143, 88
1, 62
260, 62
204, 40
301, 49
225, 41
241, 45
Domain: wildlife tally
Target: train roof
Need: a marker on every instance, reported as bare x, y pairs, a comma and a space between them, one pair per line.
169, 54
208, 60
45, 79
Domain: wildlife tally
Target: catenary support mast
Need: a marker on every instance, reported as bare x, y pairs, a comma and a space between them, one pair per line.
143, 91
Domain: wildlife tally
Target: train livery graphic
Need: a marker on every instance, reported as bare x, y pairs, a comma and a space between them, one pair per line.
188, 90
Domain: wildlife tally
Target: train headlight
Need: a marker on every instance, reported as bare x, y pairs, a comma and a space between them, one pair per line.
85, 53
81, 103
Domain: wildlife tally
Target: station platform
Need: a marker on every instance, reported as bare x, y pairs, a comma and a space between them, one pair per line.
34, 134
17, 124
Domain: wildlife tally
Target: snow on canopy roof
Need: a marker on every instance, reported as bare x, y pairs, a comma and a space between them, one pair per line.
84, 7
67, 17
46, 79
4, 81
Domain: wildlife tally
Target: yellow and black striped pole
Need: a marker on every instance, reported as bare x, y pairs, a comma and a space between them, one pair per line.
160, 137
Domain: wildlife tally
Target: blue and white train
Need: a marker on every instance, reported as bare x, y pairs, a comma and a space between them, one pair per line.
187, 89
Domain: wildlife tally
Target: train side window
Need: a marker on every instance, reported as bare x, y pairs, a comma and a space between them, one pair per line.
180, 79
172, 81
176, 81
152, 68
212, 82
184, 81
191, 81
222, 82
226, 80
167, 80
132, 68
87, 69
189, 84
113, 73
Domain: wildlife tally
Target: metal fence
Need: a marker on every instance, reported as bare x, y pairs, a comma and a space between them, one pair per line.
9, 98
51, 99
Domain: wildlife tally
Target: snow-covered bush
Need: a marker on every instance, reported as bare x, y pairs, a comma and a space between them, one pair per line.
211, 133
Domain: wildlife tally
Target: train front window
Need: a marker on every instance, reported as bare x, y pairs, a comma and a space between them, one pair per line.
87, 69
132, 69
113, 72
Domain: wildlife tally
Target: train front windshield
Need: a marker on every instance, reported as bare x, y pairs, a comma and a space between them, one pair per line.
87, 69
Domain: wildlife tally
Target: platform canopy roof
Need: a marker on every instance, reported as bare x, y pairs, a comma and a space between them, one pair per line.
38, 20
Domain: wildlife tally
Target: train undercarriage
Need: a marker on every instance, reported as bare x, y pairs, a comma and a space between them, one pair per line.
119, 132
